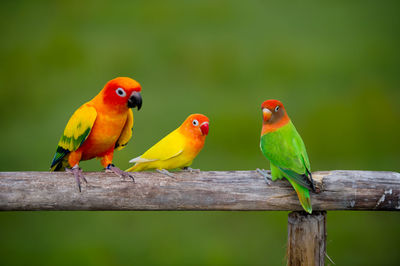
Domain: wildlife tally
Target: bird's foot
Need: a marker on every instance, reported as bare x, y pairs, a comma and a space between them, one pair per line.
78, 175
264, 173
113, 169
165, 172
191, 170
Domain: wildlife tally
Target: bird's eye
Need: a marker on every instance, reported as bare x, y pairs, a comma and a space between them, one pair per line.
277, 108
195, 123
120, 92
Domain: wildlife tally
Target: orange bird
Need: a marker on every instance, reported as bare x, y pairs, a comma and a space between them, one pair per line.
176, 150
98, 127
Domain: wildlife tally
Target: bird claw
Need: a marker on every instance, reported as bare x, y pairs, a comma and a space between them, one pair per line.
191, 170
113, 169
165, 172
78, 175
264, 174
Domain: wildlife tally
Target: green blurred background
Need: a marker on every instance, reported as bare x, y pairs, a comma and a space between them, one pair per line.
334, 65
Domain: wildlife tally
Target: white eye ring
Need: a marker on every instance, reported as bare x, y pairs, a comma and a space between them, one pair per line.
277, 108
195, 122
120, 92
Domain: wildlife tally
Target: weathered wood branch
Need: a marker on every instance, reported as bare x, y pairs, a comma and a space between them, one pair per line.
225, 190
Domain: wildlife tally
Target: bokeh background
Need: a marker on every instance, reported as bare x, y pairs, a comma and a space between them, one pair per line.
334, 65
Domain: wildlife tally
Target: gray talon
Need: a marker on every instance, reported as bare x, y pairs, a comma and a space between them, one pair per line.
113, 169
264, 174
191, 170
165, 172
77, 172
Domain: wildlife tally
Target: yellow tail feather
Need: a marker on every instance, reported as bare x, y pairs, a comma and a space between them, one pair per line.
304, 196
132, 169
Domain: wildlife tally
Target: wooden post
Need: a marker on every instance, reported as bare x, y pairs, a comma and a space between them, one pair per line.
306, 239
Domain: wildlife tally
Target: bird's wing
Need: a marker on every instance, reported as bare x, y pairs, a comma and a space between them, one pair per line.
76, 132
286, 150
126, 133
169, 147
141, 160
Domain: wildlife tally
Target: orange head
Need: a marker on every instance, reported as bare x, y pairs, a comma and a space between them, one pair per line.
122, 92
274, 115
196, 125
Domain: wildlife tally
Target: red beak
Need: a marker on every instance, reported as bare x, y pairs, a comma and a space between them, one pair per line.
204, 128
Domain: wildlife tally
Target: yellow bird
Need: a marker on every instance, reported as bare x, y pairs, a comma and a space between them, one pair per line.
176, 150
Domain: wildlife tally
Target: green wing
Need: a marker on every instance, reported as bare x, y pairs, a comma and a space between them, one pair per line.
285, 149
75, 133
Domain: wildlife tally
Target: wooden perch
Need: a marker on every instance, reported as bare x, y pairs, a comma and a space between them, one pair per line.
211, 190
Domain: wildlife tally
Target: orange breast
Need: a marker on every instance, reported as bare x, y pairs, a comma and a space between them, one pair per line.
103, 136
194, 145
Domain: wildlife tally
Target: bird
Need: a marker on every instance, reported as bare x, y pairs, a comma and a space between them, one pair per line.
282, 145
98, 128
176, 150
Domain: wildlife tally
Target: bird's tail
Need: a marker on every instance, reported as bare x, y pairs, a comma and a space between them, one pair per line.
304, 196
60, 165
132, 169
137, 167
60, 160
140, 164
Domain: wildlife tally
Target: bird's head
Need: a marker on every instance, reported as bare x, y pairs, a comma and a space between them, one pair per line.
196, 125
273, 111
122, 92
274, 116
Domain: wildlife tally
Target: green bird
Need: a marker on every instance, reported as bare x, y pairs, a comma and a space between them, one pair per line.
284, 148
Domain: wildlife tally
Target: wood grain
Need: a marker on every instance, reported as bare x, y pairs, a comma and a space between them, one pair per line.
208, 190
306, 244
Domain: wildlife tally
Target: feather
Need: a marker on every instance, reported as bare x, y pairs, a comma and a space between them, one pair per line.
126, 133
75, 133
141, 160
